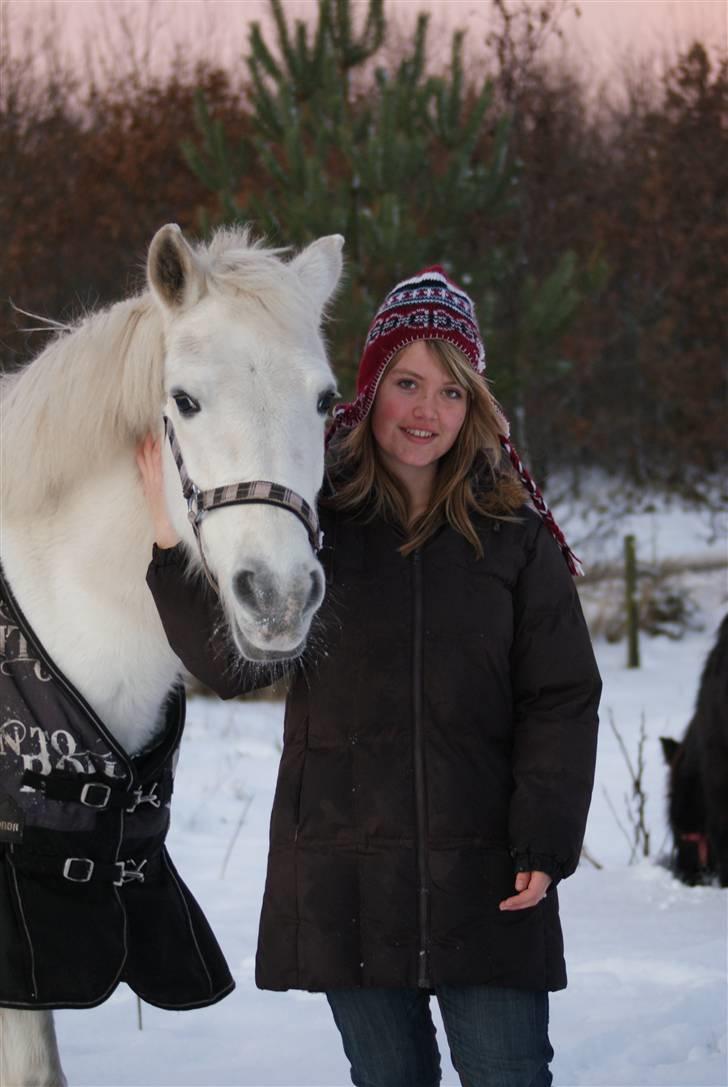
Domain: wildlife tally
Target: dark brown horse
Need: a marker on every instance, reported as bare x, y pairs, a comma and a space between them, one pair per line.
698, 782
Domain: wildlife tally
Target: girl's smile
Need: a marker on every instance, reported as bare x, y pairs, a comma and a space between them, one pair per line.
417, 415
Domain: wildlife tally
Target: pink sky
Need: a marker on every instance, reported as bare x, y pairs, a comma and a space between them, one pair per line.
606, 30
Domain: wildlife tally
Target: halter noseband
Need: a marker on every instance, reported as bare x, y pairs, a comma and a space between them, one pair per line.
199, 503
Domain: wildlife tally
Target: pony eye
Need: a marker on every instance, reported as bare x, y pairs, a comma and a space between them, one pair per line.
326, 400
185, 404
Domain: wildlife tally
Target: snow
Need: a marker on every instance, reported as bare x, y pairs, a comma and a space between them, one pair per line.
646, 1002
647, 956
665, 527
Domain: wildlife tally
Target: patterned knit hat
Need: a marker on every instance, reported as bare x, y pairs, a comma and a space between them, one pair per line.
429, 306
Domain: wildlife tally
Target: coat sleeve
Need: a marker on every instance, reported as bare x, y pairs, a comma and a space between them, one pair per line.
556, 689
193, 622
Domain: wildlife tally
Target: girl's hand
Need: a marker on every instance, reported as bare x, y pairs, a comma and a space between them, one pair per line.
149, 461
531, 888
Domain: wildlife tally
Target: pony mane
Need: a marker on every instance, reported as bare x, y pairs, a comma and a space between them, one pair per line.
100, 384
91, 388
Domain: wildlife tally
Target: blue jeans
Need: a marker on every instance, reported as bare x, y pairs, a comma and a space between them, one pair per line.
497, 1037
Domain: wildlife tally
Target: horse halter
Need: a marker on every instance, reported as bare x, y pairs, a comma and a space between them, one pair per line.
199, 502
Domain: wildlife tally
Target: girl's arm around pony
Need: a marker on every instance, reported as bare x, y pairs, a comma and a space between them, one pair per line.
190, 611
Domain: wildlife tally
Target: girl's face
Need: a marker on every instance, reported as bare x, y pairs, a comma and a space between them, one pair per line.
418, 412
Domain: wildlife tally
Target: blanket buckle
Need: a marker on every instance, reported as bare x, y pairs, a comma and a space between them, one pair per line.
78, 869
129, 871
95, 794
140, 797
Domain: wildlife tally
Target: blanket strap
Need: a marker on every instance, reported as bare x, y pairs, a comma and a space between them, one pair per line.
98, 793
81, 869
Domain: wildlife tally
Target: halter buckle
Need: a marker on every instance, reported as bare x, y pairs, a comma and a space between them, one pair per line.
194, 512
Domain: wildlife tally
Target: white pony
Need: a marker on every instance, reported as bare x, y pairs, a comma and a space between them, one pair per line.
227, 343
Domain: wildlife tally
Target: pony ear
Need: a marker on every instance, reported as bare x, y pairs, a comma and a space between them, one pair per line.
669, 748
319, 268
173, 271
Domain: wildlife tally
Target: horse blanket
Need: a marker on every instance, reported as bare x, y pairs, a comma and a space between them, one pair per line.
88, 894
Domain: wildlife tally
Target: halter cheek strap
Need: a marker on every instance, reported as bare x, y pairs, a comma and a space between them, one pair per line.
199, 502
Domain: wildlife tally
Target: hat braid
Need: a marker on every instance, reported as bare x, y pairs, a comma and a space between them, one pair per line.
539, 502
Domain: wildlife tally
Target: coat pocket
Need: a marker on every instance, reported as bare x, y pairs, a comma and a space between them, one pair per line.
287, 802
499, 875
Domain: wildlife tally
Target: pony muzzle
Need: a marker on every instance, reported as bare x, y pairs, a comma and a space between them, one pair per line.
272, 619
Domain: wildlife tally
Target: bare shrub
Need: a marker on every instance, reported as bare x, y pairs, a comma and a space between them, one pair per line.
635, 832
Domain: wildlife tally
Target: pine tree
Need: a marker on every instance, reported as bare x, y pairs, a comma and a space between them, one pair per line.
414, 168
395, 158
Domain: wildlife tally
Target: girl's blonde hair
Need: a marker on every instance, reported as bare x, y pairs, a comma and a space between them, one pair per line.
473, 477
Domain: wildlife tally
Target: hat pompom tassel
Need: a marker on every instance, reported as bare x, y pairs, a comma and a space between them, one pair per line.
542, 509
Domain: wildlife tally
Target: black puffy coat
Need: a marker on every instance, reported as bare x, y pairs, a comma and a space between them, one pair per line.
443, 740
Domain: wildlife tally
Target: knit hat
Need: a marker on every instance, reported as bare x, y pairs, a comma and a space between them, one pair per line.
429, 306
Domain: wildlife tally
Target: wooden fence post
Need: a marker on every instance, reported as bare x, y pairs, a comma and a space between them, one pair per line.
631, 603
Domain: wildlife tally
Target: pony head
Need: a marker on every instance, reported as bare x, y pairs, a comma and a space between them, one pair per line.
247, 386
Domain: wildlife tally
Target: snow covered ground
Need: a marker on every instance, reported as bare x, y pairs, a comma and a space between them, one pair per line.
647, 956
665, 528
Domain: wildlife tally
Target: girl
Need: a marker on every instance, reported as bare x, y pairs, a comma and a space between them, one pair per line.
439, 746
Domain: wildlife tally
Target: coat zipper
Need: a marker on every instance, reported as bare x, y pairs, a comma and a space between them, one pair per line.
423, 891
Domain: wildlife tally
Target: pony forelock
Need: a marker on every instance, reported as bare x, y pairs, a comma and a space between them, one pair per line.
238, 265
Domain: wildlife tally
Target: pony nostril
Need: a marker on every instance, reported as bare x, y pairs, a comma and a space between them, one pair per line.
243, 583
317, 590
256, 591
